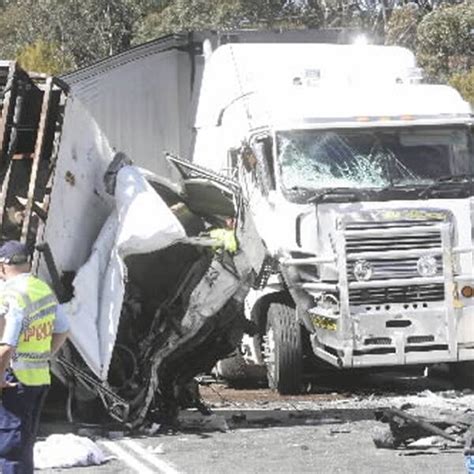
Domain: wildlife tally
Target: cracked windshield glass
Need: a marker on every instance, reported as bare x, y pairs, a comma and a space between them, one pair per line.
371, 158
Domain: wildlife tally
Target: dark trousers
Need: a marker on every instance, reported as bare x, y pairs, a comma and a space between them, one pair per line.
20, 412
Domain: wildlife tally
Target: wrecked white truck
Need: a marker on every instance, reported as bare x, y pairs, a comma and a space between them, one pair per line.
148, 270
356, 181
340, 191
359, 180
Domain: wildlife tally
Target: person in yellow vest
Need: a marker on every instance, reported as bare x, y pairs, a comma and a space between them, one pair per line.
32, 328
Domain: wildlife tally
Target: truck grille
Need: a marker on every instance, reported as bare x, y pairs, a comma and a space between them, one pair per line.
397, 294
392, 268
419, 240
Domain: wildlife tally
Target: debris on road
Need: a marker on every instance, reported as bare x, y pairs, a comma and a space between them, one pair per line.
195, 421
67, 450
407, 431
159, 449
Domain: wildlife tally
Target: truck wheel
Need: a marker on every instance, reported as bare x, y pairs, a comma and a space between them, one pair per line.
462, 374
283, 350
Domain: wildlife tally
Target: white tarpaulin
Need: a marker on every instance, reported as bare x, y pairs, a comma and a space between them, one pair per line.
140, 223
67, 450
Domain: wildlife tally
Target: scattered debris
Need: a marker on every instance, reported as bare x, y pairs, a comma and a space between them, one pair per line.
159, 449
153, 429
67, 450
196, 421
410, 432
114, 435
334, 431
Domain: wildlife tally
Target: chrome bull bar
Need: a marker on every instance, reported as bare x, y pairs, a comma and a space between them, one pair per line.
446, 252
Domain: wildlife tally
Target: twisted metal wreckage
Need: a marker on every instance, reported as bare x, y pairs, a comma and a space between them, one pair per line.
180, 311
152, 273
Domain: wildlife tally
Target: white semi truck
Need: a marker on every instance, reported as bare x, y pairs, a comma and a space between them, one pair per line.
356, 198
359, 179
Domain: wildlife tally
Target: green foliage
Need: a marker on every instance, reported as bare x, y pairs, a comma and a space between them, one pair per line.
85, 30
12, 37
464, 83
445, 42
78, 32
402, 26
44, 57
187, 15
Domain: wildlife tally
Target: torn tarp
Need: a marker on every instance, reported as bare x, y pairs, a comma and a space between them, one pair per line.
140, 223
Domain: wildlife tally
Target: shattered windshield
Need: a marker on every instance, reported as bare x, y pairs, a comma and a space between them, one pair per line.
371, 158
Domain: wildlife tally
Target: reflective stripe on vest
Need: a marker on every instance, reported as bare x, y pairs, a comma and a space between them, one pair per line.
27, 365
30, 363
38, 304
32, 356
35, 316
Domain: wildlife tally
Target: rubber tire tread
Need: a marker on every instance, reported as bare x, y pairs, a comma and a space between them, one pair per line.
288, 350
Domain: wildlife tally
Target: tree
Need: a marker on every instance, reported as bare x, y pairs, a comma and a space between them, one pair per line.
84, 30
445, 43
45, 57
187, 15
464, 83
402, 26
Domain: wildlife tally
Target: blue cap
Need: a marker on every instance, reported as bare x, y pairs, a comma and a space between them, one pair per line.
13, 252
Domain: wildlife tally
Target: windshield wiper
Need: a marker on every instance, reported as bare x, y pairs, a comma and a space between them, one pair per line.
443, 180
342, 193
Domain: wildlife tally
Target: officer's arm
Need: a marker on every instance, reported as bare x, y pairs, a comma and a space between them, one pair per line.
60, 331
12, 317
58, 340
6, 352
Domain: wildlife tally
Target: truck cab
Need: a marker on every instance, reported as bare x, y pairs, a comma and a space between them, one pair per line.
359, 180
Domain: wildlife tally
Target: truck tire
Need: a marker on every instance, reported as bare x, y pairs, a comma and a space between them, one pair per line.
283, 350
462, 374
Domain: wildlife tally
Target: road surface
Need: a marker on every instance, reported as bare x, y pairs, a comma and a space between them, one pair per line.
257, 431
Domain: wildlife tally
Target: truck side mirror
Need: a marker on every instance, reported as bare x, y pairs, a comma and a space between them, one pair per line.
265, 173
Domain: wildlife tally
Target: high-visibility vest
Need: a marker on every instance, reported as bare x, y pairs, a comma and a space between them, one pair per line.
225, 239
30, 362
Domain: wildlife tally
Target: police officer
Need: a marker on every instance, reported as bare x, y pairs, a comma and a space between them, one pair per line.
32, 329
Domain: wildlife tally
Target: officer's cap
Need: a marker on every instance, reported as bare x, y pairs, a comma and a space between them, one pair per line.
13, 252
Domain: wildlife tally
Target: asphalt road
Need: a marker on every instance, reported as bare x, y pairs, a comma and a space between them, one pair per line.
324, 448
256, 431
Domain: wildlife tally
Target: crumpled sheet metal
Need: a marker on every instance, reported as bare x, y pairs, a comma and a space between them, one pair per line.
99, 285
219, 285
182, 329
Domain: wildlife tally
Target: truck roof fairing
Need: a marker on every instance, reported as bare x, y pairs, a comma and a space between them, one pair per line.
329, 107
234, 70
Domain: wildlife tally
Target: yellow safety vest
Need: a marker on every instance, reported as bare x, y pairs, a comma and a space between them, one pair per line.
224, 239
30, 363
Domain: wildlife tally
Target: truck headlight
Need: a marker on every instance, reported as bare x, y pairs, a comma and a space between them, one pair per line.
427, 266
362, 270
